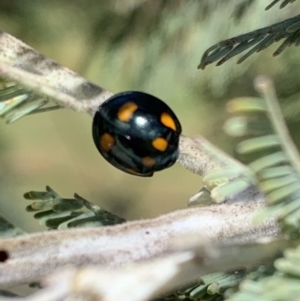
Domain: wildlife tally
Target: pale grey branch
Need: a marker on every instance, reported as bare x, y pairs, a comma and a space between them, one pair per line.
36, 255
150, 279
24, 65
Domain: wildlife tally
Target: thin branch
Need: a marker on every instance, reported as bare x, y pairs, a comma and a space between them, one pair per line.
145, 280
179, 269
26, 66
22, 64
200, 157
33, 256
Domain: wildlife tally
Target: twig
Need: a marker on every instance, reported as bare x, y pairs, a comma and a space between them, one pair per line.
33, 256
22, 64
145, 280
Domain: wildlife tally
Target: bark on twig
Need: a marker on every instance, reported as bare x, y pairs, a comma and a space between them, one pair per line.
21, 63
147, 280
33, 256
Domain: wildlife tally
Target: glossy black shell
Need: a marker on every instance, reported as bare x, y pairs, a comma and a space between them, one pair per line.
137, 133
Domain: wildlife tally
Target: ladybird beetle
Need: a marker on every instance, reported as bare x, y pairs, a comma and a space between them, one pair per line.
137, 133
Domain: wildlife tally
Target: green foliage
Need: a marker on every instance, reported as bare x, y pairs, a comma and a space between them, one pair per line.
17, 102
264, 144
57, 212
270, 154
7, 229
212, 286
257, 40
282, 5
242, 7
273, 161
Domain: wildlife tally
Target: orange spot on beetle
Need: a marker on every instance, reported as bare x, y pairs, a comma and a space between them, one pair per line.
160, 144
106, 141
168, 121
126, 111
148, 161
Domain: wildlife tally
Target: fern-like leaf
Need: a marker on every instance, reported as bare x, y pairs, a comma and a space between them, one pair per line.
267, 148
283, 4
57, 212
264, 143
257, 40
241, 8
7, 229
17, 102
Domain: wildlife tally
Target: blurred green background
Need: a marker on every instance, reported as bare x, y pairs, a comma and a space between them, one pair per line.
152, 46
